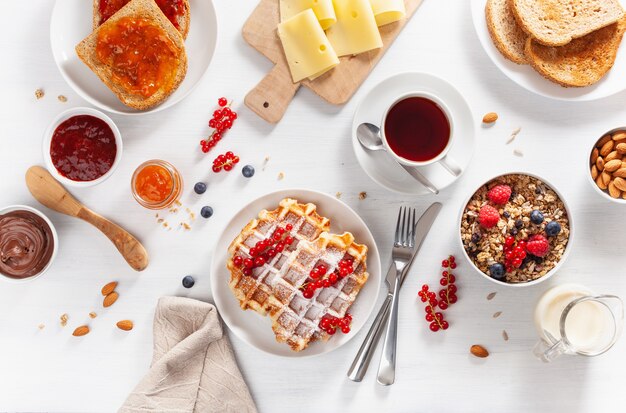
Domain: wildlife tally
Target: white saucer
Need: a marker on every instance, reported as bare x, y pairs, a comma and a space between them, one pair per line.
71, 22
381, 167
530, 80
255, 329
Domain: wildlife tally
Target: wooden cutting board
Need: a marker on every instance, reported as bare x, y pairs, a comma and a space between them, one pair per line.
271, 97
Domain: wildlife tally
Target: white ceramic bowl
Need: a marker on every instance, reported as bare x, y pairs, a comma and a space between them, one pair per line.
47, 138
551, 272
604, 194
55, 240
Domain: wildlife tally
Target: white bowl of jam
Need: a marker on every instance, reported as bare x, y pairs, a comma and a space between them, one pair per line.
82, 147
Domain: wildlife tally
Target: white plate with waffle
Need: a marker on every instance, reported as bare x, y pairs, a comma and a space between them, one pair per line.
311, 232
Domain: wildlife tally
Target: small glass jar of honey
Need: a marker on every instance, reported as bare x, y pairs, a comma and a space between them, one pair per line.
156, 184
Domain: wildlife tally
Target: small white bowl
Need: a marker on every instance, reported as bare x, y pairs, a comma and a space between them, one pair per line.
47, 139
553, 270
605, 194
55, 240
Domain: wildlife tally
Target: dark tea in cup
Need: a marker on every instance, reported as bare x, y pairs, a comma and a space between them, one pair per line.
417, 129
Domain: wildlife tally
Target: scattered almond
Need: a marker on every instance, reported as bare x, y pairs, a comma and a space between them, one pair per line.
81, 331
39, 93
110, 299
490, 117
125, 325
479, 351
109, 288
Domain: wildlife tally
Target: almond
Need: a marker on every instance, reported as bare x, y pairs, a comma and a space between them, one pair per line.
594, 172
619, 136
594, 155
479, 351
620, 183
600, 163
606, 177
614, 191
621, 148
600, 183
81, 331
607, 148
612, 155
603, 140
125, 325
613, 165
110, 299
490, 117
620, 173
109, 288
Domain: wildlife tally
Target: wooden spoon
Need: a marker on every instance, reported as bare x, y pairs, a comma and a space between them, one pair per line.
52, 194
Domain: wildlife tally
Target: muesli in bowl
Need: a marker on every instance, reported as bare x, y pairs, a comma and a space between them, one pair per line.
516, 229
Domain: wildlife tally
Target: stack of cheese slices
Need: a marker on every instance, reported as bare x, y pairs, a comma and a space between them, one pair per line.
315, 33
136, 50
573, 43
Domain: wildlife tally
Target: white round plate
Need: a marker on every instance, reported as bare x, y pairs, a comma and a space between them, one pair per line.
72, 21
380, 166
255, 329
526, 77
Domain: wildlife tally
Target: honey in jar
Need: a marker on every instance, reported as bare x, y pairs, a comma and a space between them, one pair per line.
156, 184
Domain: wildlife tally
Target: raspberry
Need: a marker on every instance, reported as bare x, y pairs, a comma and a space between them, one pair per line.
488, 216
499, 194
538, 246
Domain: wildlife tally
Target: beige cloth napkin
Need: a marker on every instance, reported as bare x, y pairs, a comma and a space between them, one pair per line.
193, 365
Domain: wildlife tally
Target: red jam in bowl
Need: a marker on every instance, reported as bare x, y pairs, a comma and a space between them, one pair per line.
83, 148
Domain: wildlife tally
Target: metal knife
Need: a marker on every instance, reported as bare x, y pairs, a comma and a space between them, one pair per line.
366, 351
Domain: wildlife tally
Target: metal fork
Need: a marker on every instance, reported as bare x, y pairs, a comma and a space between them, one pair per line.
403, 247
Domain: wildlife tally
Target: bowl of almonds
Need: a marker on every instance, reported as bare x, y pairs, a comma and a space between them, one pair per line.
607, 165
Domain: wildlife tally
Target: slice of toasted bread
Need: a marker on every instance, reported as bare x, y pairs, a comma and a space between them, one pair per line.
146, 9
505, 33
583, 61
182, 22
558, 22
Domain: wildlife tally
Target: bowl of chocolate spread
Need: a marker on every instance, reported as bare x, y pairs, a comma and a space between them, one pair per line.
28, 243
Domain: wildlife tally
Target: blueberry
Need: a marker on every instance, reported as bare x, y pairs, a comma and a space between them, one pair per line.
536, 217
519, 224
206, 212
506, 214
553, 228
514, 231
248, 171
496, 271
199, 188
188, 281
475, 237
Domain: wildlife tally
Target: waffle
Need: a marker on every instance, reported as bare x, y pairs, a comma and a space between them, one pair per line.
275, 288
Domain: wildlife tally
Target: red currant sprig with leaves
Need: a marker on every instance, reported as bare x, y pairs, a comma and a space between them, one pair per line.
447, 297
226, 162
223, 119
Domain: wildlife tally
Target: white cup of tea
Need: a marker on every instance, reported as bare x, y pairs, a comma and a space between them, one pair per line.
417, 130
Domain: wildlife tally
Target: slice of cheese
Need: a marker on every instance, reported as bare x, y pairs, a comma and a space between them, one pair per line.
388, 11
323, 9
355, 31
307, 49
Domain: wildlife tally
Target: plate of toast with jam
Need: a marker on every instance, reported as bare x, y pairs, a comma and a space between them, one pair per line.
133, 57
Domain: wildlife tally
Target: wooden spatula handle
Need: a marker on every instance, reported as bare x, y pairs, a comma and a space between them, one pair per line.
271, 97
133, 252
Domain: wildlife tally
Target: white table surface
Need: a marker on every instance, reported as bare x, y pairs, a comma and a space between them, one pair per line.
50, 370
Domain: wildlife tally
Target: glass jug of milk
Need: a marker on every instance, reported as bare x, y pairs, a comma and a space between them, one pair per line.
571, 319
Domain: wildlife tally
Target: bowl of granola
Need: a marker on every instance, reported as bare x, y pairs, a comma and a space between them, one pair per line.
516, 229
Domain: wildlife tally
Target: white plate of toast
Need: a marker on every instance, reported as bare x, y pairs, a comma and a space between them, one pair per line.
256, 328
573, 54
78, 22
